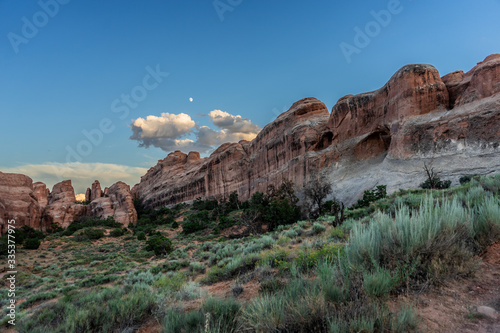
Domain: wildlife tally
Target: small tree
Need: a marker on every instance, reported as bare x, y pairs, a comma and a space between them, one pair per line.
32, 243
316, 192
159, 245
433, 181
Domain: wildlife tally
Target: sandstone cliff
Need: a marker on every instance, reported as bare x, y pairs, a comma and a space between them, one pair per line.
117, 203
380, 137
35, 206
18, 202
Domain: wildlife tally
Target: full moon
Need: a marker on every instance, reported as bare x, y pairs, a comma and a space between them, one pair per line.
190, 99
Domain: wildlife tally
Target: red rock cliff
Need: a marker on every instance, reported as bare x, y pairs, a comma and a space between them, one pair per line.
380, 137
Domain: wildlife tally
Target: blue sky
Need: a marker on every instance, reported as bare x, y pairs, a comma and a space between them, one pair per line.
251, 59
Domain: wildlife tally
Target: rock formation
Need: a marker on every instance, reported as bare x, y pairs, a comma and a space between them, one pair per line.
18, 202
380, 137
35, 206
277, 152
62, 209
118, 204
41, 193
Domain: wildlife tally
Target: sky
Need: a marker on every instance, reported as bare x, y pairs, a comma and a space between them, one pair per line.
104, 89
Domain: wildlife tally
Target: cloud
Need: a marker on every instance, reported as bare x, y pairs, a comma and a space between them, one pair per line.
81, 174
233, 124
169, 131
167, 126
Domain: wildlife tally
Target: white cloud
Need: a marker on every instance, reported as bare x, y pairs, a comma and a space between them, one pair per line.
167, 126
168, 131
81, 174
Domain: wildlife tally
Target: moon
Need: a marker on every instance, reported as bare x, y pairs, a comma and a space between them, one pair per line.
191, 99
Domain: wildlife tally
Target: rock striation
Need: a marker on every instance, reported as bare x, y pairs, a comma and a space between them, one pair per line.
380, 137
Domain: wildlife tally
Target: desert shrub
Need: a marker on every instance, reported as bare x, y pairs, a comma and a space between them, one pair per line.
37, 298
118, 232
31, 243
107, 310
379, 282
175, 265
310, 257
337, 234
234, 266
271, 285
406, 320
175, 225
487, 226
141, 235
200, 204
85, 222
197, 267
54, 228
265, 313
281, 213
93, 234
177, 321
467, 178
318, 228
369, 196
420, 238
98, 279
171, 281
436, 183
196, 222
159, 244
222, 313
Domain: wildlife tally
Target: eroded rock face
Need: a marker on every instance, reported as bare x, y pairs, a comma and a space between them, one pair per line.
62, 208
118, 204
380, 137
480, 82
18, 201
41, 193
276, 153
33, 204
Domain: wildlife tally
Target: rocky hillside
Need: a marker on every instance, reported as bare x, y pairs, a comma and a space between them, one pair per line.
32, 204
380, 137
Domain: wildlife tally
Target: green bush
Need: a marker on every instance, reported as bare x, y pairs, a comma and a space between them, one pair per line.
93, 234
141, 235
107, 310
160, 245
196, 222
85, 222
222, 313
32, 243
318, 228
370, 196
436, 183
118, 232
378, 283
